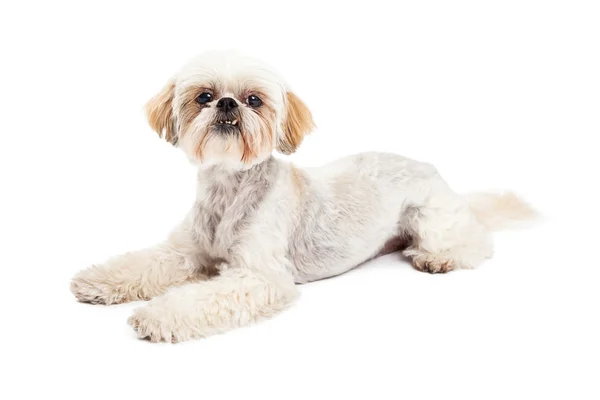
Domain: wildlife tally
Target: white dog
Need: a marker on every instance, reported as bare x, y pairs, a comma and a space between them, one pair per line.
260, 225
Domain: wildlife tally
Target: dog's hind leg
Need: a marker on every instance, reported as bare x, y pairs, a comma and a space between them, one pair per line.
445, 233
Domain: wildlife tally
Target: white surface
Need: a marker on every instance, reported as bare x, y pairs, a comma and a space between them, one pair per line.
496, 96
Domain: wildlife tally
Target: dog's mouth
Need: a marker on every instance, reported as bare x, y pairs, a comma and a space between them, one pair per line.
226, 127
232, 122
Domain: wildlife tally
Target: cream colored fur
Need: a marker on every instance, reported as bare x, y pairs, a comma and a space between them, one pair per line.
260, 225
500, 211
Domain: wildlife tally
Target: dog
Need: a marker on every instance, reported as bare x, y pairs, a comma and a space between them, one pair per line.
261, 225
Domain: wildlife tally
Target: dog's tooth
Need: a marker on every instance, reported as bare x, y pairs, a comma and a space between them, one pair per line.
234, 122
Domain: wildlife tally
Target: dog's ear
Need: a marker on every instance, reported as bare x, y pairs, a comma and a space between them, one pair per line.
159, 111
298, 122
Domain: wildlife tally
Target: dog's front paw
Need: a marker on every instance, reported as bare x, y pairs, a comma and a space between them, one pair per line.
94, 286
158, 323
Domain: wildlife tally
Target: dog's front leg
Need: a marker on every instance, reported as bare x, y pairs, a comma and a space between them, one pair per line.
237, 297
140, 275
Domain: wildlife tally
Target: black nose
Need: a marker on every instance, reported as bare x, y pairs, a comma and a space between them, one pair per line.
226, 103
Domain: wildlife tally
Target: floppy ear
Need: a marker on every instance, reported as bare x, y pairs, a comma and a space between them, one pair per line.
159, 111
298, 122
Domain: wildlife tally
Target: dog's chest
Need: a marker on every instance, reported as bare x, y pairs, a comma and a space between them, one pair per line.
224, 212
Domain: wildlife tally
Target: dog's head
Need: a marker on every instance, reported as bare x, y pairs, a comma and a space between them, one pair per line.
230, 110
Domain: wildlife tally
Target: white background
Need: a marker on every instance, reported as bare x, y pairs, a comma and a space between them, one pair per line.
498, 95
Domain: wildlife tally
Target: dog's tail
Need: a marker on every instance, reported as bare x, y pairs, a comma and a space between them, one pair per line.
500, 210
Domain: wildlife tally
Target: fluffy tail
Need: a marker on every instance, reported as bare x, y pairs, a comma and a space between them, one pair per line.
500, 211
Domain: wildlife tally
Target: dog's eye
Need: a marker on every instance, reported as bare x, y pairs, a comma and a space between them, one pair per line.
254, 101
204, 98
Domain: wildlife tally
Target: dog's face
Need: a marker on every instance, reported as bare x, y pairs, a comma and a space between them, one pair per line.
229, 110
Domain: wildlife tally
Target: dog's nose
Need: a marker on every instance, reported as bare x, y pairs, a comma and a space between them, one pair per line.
226, 103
